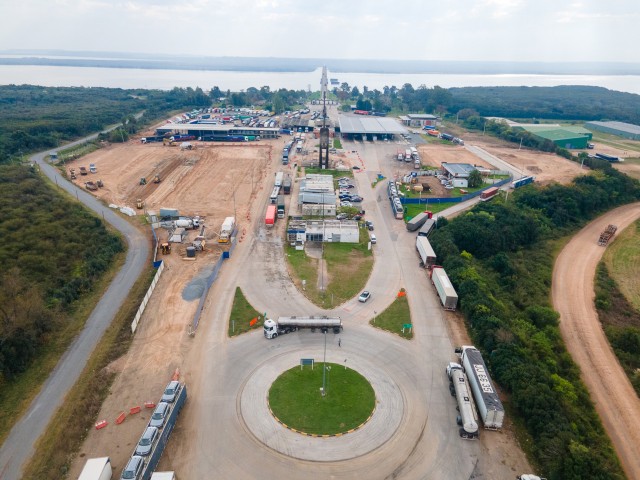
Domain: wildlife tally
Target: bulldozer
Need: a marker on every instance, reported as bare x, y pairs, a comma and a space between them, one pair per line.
139, 204
165, 248
143, 181
156, 179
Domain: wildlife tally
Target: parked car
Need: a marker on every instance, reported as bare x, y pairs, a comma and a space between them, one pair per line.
346, 204
364, 296
145, 444
342, 216
356, 198
357, 217
355, 167
372, 237
159, 415
133, 470
369, 225
170, 392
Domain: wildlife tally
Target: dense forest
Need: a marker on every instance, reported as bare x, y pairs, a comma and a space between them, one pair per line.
52, 251
500, 258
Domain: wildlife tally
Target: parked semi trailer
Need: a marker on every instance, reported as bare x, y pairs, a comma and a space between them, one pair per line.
467, 418
425, 250
427, 228
270, 216
279, 178
489, 193
273, 328
522, 182
96, 469
489, 405
446, 292
416, 222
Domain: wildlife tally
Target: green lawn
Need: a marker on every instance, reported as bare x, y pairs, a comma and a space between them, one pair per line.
295, 398
348, 267
242, 312
394, 317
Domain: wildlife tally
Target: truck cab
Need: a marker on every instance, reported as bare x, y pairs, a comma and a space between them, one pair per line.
270, 328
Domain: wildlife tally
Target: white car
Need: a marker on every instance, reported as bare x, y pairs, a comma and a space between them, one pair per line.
364, 296
346, 204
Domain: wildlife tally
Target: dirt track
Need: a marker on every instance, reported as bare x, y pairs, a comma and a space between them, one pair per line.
573, 297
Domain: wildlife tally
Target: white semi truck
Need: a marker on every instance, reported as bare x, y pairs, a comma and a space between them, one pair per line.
273, 328
467, 418
489, 405
227, 229
446, 292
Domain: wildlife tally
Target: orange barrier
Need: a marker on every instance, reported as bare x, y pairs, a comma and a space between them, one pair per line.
149, 405
101, 424
133, 410
176, 374
253, 322
121, 418
401, 294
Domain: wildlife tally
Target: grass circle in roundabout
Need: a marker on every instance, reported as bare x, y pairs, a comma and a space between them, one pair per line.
295, 399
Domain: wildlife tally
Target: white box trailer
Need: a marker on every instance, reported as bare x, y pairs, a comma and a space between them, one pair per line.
425, 250
418, 221
489, 405
273, 328
163, 476
446, 292
96, 469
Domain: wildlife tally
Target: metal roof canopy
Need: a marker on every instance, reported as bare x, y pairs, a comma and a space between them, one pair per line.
208, 127
625, 127
460, 170
370, 125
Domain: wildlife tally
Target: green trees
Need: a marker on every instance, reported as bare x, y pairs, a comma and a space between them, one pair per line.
52, 252
500, 262
475, 179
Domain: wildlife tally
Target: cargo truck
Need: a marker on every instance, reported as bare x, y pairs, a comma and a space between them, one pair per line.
522, 182
96, 469
425, 250
407, 155
286, 185
427, 228
446, 292
458, 386
278, 180
280, 206
284, 325
489, 193
416, 222
490, 407
270, 217
226, 229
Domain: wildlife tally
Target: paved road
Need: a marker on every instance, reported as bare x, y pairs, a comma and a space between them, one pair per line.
18, 447
573, 296
413, 435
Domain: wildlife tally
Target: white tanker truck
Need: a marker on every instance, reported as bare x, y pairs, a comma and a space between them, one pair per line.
467, 418
273, 328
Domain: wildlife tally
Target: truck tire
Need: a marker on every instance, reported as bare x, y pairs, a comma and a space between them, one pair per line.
274, 335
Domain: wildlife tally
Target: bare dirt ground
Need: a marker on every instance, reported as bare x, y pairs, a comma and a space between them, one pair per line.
435, 154
201, 182
573, 297
546, 167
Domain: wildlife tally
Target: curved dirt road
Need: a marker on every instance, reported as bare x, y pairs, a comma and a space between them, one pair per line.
573, 297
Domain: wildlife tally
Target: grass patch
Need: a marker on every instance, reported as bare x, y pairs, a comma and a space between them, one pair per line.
242, 312
337, 143
295, 399
70, 424
17, 395
622, 259
77, 151
335, 173
394, 317
348, 268
411, 211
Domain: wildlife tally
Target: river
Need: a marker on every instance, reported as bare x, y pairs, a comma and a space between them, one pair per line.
57, 76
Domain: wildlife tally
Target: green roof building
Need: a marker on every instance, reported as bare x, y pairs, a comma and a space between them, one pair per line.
563, 136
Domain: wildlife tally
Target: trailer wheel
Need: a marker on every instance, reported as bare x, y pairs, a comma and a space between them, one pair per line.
274, 335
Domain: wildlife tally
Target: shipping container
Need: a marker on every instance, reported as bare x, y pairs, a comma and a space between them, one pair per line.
489, 193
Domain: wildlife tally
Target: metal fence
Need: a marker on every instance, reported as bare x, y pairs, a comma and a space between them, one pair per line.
147, 296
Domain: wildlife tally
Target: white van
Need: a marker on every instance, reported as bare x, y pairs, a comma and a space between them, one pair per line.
372, 237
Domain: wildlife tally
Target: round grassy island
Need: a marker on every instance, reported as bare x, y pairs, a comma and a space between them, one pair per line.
295, 399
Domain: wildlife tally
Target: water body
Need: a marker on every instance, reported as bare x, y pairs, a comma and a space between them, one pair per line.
59, 76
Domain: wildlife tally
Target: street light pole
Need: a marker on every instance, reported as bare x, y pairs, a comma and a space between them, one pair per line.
324, 365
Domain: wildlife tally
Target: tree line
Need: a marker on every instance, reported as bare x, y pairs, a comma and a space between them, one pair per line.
500, 258
52, 252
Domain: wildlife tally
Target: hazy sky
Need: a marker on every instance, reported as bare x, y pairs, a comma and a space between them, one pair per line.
509, 30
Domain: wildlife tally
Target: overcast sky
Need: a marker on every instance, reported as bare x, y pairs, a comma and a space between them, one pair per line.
508, 30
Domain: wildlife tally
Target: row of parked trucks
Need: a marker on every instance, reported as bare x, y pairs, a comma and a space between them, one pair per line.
469, 382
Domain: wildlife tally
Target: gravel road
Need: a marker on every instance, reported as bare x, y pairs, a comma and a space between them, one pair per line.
19, 445
573, 297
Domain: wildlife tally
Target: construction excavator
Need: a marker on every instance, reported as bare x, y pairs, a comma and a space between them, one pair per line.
165, 248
